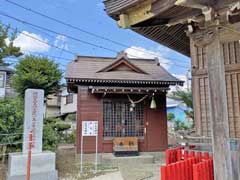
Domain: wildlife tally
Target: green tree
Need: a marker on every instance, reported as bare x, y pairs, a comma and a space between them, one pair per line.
7, 49
186, 97
37, 72
50, 137
54, 132
11, 122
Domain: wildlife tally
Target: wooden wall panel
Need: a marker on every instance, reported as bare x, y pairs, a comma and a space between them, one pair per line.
156, 137
231, 53
89, 107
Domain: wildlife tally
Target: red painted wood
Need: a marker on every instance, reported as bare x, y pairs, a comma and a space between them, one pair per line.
205, 155
164, 173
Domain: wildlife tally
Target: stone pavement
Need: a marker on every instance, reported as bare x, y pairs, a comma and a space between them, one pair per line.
110, 176
143, 167
149, 171
141, 171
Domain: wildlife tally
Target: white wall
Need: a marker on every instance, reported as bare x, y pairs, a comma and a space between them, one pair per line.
3, 88
68, 108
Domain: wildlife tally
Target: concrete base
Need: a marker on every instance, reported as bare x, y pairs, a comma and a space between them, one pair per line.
37, 176
42, 166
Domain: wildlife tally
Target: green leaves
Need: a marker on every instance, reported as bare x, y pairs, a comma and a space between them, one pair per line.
7, 49
11, 121
186, 97
50, 138
35, 72
54, 133
170, 116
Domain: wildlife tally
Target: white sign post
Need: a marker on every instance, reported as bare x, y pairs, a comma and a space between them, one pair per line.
89, 128
33, 119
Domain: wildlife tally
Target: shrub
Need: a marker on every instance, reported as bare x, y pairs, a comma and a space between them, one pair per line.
62, 126
170, 116
50, 138
71, 117
179, 125
11, 122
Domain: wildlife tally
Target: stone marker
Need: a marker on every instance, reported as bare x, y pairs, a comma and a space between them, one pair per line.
43, 163
33, 119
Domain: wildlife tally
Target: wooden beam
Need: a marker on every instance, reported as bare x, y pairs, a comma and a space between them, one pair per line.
136, 14
218, 108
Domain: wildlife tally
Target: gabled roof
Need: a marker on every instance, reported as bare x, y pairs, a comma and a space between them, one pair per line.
122, 64
113, 70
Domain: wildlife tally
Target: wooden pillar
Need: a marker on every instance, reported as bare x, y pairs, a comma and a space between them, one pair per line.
218, 110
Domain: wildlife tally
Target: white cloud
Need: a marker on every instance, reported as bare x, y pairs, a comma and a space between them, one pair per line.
183, 77
28, 44
139, 52
61, 42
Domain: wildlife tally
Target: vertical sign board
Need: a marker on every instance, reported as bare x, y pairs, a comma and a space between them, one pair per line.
89, 128
33, 119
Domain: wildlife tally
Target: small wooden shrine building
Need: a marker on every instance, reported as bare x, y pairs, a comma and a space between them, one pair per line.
118, 93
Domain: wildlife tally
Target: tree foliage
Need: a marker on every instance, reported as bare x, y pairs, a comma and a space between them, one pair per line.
54, 132
186, 97
50, 137
11, 122
38, 73
170, 116
7, 49
179, 125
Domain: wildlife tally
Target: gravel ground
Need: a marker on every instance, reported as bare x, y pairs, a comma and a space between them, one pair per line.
2, 172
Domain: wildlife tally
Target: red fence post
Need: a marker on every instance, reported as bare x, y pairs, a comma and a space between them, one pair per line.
183, 174
173, 171
205, 155
164, 173
199, 156
167, 157
29, 156
211, 169
179, 156
185, 154
192, 154
196, 174
178, 171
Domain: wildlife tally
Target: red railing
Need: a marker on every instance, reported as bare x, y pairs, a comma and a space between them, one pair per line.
184, 165
203, 170
173, 155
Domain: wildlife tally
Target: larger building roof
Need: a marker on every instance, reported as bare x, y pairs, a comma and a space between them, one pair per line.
160, 27
118, 70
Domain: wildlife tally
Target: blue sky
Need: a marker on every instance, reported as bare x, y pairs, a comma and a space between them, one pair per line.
90, 16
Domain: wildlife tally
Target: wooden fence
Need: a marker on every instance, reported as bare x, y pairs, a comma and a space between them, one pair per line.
184, 165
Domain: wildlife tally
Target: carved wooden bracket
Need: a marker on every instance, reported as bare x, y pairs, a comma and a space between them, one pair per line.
204, 37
